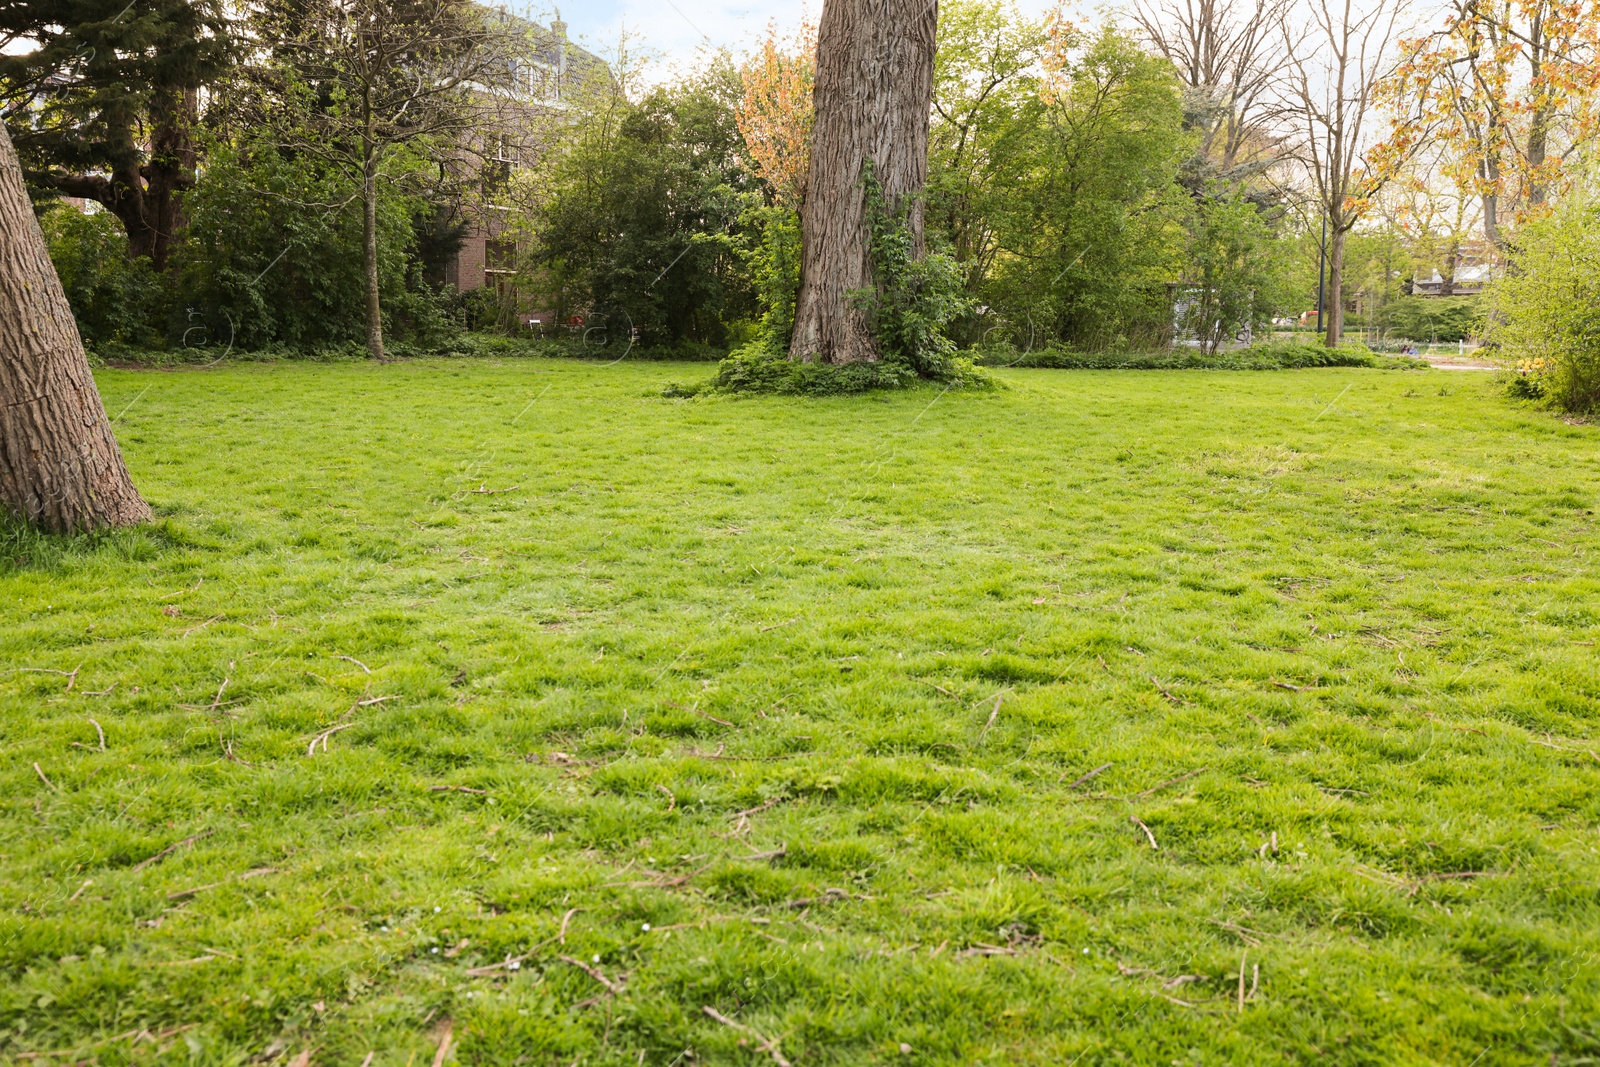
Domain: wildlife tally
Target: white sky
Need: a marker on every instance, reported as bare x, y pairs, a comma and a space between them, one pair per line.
676, 29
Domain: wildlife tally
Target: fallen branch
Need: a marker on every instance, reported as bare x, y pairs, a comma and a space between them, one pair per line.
491, 492
170, 849
455, 788
1137, 822
672, 800
101, 732
776, 625
357, 662
765, 1044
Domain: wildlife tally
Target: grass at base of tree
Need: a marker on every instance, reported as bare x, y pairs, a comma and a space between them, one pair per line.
1018, 726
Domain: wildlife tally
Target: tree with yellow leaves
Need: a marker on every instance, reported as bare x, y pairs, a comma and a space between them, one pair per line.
1509, 88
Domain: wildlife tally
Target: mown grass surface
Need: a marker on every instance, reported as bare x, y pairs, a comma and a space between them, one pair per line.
1358, 609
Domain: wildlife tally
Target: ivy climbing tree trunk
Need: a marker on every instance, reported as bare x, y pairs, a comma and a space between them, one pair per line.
59, 464
874, 88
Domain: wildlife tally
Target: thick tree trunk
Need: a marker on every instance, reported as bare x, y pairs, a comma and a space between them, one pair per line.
874, 88
59, 464
369, 256
147, 197
1334, 302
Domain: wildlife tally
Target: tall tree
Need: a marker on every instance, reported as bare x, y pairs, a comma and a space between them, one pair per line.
101, 96
1227, 53
775, 112
59, 464
352, 82
874, 85
1338, 51
1509, 89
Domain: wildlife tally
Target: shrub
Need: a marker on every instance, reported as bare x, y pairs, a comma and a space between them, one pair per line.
1420, 318
116, 301
1547, 307
1263, 355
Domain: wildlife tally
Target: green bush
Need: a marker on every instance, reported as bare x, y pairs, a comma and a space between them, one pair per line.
1423, 318
757, 369
1263, 355
117, 301
1547, 307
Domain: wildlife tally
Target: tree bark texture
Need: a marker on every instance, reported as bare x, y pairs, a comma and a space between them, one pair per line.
59, 464
1335, 298
873, 91
369, 255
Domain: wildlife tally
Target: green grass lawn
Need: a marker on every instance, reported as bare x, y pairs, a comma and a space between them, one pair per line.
1156, 718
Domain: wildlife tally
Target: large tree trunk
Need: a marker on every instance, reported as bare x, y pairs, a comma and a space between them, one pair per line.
59, 464
874, 87
147, 197
1334, 301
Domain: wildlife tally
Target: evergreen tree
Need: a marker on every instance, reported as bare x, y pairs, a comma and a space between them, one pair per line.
104, 104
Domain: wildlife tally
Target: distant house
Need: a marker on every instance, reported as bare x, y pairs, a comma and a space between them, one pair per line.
1469, 281
550, 80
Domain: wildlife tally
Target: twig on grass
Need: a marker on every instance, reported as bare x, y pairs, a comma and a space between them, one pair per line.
696, 710
777, 853
181, 592
614, 988
170, 849
322, 738
71, 676
672, 800
993, 715
366, 669
454, 788
1137, 822
937, 686
448, 1031
565, 919
1092, 774
1164, 691
777, 625
482, 489
45, 778
764, 1043
201, 626
256, 873
101, 732
1170, 781
1241, 979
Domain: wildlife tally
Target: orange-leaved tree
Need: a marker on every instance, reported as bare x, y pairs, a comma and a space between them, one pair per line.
776, 114
1509, 88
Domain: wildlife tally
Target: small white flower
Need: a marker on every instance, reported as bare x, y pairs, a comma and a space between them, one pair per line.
437, 909
435, 950
645, 928
1085, 952
597, 959
514, 965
